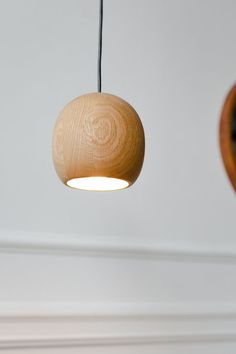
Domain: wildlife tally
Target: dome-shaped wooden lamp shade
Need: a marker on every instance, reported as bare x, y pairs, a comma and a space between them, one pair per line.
98, 143
227, 135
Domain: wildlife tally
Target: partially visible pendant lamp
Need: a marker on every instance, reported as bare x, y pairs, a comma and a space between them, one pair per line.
227, 135
98, 140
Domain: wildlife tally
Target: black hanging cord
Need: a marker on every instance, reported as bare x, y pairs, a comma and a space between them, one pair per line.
100, 47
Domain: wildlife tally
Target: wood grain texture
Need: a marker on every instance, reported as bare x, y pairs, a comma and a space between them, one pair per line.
98, 134
225, 135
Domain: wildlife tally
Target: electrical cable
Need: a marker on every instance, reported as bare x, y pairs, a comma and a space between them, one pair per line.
100, 47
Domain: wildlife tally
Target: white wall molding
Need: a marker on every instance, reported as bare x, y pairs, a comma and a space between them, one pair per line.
103, 312
114, 329
72, 245
35, 311
66, 342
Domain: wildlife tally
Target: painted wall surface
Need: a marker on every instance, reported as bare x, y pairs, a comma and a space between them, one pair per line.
148, 269
173, 61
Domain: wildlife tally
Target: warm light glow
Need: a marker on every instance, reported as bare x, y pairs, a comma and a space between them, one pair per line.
97, 183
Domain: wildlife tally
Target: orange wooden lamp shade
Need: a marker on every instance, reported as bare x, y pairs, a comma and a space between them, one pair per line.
98, 143
98, 140
227, 135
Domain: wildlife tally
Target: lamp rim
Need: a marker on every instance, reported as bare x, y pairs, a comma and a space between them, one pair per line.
120, 183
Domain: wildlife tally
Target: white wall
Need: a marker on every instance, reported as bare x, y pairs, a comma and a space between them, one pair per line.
149, 269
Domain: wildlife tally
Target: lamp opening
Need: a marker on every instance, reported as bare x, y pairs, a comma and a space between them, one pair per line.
97, 183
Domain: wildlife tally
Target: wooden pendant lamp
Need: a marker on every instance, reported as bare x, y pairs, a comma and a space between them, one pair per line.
227, 135
98, 140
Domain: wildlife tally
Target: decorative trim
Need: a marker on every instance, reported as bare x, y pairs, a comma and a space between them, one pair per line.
44, 325
36, 312
50, 342
71, 245
119, 328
